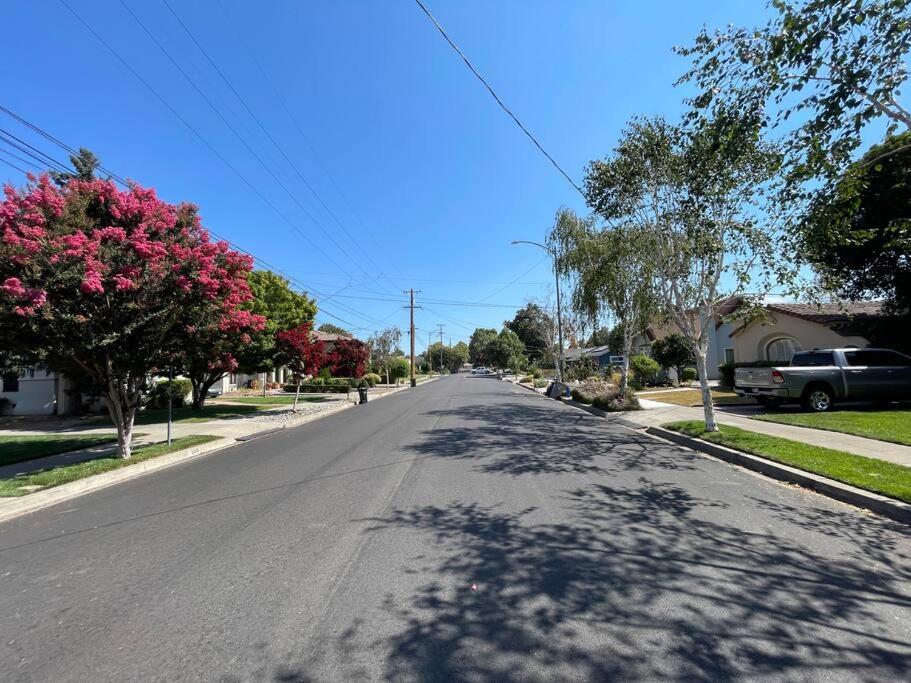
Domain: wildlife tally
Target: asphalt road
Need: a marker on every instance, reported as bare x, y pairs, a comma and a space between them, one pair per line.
465, 530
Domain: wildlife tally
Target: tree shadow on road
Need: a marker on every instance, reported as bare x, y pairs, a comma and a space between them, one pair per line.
519, 437
639, 586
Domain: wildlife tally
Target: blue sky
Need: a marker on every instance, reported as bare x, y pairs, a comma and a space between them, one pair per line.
425, 179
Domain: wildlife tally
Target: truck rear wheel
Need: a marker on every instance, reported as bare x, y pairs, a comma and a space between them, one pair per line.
817, 399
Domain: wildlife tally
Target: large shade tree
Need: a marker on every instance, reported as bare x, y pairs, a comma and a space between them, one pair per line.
535, 329
857, 233
479, 344
106, 284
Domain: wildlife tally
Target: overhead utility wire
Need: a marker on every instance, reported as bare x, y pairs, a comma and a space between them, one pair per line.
277, 146
284, 104
310, 291
498, 100
233, 130
196, 133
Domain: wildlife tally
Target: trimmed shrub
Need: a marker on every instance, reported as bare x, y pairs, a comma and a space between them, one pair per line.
644, 369
687, 374
373, 379
727, 370
528, 379
399, 368
541, 383
536, 373
158, 394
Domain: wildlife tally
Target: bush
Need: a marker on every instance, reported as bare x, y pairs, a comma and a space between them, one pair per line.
536, 373
541, 383
593, 388
528, 379
399, 368
310, 388
644, 369
6, 406
158, 394
324, 374
727, 370
615, 405
687, 374
373, 379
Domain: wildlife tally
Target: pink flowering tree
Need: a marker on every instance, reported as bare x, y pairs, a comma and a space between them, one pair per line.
108, 284
211, 347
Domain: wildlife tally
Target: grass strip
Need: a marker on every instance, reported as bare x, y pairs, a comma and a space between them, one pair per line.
870, 474
885, 425
15, 449
271, 400
55, 476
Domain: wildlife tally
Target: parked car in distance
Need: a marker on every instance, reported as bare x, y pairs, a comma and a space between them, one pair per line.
821, 377
481, 371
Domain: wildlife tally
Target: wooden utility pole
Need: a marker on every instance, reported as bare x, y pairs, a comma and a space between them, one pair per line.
414, 381
441, 348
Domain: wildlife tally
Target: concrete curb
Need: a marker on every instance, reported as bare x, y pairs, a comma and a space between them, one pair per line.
14, 507
882, 505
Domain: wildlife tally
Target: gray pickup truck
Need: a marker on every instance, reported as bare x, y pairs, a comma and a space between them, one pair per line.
816, 379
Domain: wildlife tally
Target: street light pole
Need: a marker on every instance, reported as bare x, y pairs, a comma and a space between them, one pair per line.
553, 255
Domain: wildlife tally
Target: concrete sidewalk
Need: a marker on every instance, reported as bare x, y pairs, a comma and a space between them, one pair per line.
655, 414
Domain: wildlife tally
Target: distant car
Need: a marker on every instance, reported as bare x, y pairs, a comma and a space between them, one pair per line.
213, 392
480, 371
820, 377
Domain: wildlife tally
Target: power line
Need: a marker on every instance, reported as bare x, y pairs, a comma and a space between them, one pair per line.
198, 135
307, 289
259, 123
22, 171
498, 100
284, 104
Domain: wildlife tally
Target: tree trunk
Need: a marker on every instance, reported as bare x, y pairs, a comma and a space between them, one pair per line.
387, 376
123, 416
624, 366
297, 394
707, 407
197, 395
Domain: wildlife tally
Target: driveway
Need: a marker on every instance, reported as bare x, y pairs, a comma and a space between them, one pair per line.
465, 530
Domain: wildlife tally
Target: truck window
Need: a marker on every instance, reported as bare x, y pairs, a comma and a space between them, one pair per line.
858, 358
887, 359
809, 359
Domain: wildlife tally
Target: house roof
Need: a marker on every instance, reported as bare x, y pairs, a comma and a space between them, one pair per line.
590, 352
848, 318
329, 336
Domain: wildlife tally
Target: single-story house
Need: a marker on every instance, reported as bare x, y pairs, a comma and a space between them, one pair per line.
721, 346
600, 355
38, 391
791, 327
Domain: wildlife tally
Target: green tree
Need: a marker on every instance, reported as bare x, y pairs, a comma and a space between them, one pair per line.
535, 328
399, 368
329, 328
478, 345
283, 309
610, 275
600, 337
838, 64
857, 234
383, 346
694, 198
673, 351
506, 351
460, 354
85, 163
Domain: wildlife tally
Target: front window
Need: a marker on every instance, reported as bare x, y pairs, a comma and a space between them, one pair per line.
781, 350
729, 356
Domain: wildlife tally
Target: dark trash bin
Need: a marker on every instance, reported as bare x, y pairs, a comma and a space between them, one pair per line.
362, 393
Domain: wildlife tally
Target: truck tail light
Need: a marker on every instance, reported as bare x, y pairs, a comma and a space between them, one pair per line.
777, 377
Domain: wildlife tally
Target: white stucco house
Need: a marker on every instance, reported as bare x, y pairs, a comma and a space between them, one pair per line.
37, 391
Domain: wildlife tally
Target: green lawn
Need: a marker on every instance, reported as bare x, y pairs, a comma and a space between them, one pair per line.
15, 449
885, 425
272, 400
210, 411
879, 476
56, 476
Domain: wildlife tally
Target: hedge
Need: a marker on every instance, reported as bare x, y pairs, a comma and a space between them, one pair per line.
318, 388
